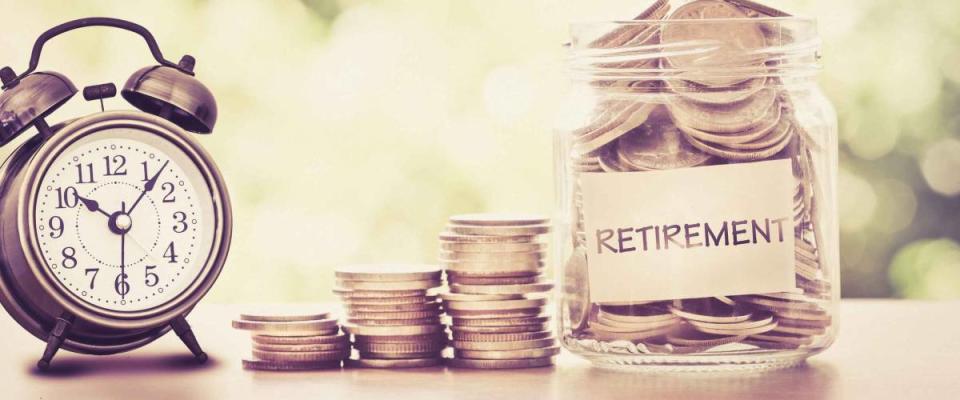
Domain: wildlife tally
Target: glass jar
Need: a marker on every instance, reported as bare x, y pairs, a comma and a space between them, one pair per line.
696, 173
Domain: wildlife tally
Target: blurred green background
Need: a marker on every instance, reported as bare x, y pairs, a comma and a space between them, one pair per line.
350, 129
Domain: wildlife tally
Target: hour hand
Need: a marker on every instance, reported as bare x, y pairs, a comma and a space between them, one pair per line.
91, 205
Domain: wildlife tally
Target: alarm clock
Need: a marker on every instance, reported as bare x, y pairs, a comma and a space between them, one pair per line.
113, 225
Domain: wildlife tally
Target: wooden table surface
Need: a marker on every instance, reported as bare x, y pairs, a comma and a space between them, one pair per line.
886, 349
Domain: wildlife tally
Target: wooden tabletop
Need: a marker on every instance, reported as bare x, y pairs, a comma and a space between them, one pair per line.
886, 349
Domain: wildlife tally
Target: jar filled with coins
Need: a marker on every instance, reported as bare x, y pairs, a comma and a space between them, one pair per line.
696, 164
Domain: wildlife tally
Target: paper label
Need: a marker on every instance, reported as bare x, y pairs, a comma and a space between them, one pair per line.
688, 233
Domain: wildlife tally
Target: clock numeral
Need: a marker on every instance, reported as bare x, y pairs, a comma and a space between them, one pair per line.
116, 165
85, 171
181, 225
93, 278
151, 279
121, 285
168, 197
146, 171
69, 257
56, 227
67, 197
170, 253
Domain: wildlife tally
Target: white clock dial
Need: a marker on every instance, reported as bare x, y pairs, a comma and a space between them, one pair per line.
124, 220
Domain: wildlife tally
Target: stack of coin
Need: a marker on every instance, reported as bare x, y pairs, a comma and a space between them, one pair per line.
286, 340
713, 96
392, 314
497, 294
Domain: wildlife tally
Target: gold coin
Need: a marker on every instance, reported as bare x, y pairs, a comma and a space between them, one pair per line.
402, 348
349, 294
735, 331
500, 364
635, 336
408, 315
394, 322
777, 304
789, 338
515, 345
487, 314
532, 267
391, 308
299, 340
528, 230
479, 297
507, 354
501, 321
388, 286
499, 219
302, 348
576, 291
493, 258
285, 313
453, 237
759, 319
659, 146
492, 247
388, 272
626, 327
710, 310
402, 363
691, 337
455, 275
494, 304
397, 356
437, 337
285, 356
472, 280
298, 328
501, 337
765, 344
731, 42
618, 120
392, 300
760, 8
500, 329
802, 331
800, 323
538, 287
391, 330
264, 365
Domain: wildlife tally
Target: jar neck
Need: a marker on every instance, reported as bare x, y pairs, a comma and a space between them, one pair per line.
711, 55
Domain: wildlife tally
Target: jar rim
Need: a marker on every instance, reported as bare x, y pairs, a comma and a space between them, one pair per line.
785, 48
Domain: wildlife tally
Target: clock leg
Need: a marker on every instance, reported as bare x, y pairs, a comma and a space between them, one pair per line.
54, 340
182, 328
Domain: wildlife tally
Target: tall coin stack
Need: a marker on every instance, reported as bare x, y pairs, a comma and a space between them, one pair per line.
293, 341
685, 120
392, 314
497, 294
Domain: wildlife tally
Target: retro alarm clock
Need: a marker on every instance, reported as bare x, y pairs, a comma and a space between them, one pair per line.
113, 225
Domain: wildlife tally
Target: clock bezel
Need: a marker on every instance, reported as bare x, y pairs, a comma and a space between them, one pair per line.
37, 167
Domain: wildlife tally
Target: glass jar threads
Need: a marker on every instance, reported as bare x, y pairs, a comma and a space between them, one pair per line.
696, 167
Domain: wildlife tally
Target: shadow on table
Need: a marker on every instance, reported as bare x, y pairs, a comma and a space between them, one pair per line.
73, 365
807, 381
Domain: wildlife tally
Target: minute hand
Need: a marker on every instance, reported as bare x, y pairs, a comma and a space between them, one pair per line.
148, 187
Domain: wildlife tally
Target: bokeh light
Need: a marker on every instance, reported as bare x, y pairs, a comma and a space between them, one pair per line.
350, 129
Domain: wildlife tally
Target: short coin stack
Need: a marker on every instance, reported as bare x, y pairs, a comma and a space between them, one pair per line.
393, 317
285, 341
496, 302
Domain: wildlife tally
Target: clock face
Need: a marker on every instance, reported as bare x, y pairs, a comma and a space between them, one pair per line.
124, 220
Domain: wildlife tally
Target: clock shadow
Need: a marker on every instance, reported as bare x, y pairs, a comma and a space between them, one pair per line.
72, 366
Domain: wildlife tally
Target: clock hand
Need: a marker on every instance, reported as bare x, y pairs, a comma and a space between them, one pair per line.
92, 205
123, 272
148, 186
